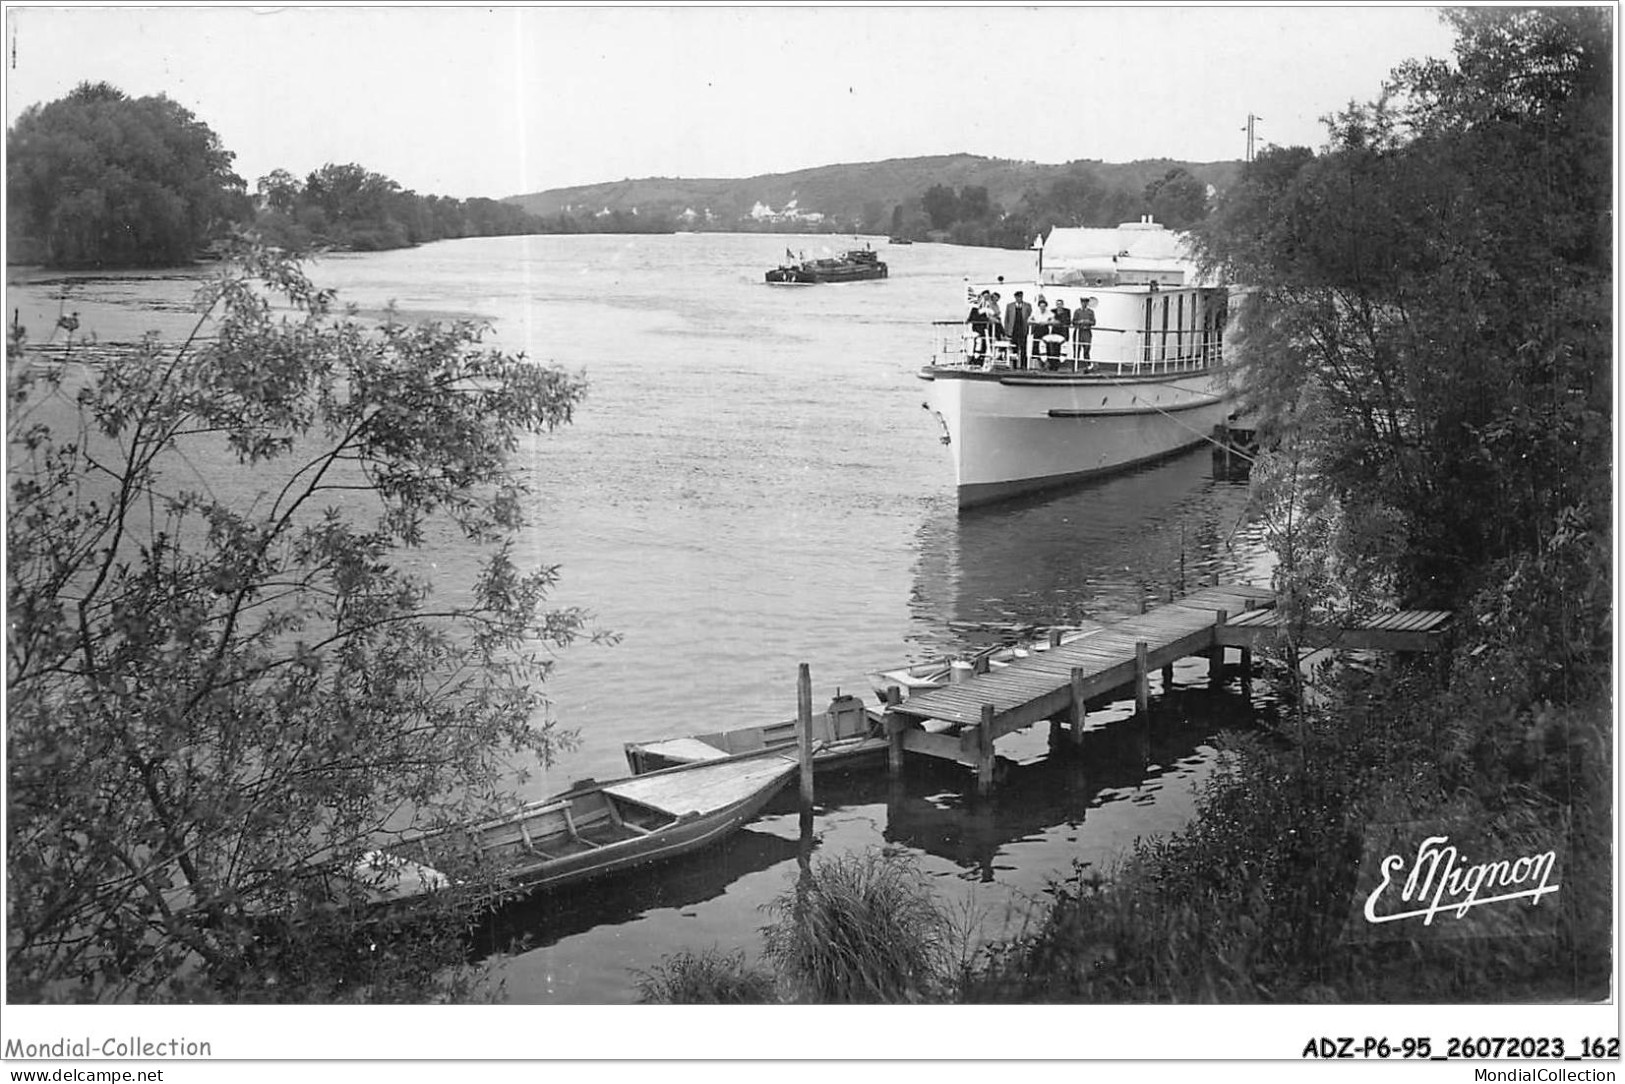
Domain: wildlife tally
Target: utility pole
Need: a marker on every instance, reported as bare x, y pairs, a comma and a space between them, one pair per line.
1251, 121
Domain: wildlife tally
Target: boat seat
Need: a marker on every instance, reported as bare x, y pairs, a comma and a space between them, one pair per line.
530, 844
575, 829
622, 822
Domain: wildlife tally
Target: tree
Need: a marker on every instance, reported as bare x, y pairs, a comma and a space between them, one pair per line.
280, 191
230, 678
941, 206
1177, 199
1430, 322
1076, 198
1073, 200
100, 179
350, 207
974, 203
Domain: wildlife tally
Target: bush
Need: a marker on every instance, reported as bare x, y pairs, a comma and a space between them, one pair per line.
1252, 902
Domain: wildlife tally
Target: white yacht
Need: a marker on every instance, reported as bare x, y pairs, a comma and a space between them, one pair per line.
1150, 381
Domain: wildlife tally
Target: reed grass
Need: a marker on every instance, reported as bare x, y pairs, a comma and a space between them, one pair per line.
863, 928
706, 977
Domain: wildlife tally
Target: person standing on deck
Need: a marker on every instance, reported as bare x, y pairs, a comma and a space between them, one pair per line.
1063, 328
980, 326
1016, 317
1083, 323
1043, 326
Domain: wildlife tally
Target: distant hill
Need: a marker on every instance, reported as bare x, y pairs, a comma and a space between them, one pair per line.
850, 193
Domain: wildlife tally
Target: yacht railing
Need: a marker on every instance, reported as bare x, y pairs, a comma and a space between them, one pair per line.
1112, 351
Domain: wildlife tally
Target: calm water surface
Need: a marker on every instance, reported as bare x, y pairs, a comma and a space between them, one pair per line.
752, 484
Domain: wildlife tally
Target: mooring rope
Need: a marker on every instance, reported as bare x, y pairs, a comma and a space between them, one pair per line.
1192, 428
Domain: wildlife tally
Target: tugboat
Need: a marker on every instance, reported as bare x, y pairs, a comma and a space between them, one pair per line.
1146, 380
850, 266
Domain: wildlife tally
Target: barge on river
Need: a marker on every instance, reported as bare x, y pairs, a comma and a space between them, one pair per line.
1145, 381
851, 266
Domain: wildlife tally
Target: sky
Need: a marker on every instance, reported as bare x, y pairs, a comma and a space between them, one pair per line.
506, 100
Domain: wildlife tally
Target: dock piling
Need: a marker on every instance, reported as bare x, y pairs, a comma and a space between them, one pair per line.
804, 735
1215, 665
984, 753
894, 732
1142, 679
1078, 711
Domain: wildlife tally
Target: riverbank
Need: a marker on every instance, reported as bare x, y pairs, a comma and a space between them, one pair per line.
1270, 894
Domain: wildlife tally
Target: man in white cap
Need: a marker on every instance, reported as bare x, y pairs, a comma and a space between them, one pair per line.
1083, 325
1017, 315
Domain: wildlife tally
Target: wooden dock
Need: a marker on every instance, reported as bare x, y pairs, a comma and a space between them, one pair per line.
962, 721
1407, 630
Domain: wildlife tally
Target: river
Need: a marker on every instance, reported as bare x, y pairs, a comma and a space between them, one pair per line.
752, 484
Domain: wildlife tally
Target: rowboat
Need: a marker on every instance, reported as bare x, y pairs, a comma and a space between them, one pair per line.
843, 734
594, 829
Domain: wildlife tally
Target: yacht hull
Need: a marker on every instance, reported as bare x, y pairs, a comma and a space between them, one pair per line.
1011, 431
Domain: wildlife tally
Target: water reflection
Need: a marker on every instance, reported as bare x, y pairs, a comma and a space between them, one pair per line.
1088, 552
1047, 802
546, 917
1085, 552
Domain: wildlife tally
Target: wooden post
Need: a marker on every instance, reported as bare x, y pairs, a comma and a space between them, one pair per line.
1142, 680
894, 732
984, 753
804, 734
1079, 712
1142, 598
981, 664
1215, 658
1054, 637
1167, 679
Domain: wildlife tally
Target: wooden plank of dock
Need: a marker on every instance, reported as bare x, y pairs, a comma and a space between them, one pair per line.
1043, 684
1405, 630
1040, 685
